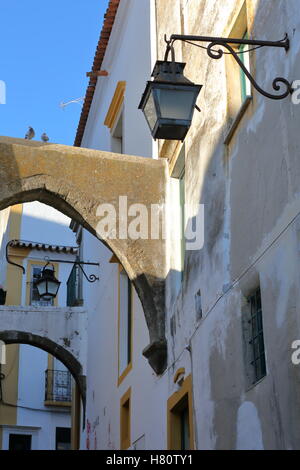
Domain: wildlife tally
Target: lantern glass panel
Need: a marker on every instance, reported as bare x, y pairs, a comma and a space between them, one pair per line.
150, 111
53, 287
176, 103
42, 287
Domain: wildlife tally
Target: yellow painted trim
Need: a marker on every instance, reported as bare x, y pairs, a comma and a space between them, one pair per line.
170, 150
179, 371
66, 404
125, 420
15, 219
115, 105
172, 424
240, 22
18, 252
75, 418
30, 263
13, 284
50, 362
125, 372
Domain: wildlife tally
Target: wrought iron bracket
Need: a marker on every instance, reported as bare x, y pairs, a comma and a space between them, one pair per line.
89, 278
228, 44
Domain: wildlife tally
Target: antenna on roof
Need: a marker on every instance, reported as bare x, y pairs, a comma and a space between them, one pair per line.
77, 100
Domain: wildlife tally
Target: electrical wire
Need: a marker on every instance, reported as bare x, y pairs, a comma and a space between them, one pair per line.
234, 283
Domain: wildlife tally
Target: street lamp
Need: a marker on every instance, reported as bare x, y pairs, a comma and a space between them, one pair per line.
47, 285
169, 101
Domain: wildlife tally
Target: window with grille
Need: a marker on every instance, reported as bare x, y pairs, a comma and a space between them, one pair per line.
34, 294
257, 336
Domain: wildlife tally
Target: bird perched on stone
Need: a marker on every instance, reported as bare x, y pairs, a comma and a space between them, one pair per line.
30, 133
44, 137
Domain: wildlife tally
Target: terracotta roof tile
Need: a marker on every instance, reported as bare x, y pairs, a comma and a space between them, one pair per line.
109, 19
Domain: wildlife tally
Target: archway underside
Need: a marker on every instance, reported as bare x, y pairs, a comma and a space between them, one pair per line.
76, 181
60, 353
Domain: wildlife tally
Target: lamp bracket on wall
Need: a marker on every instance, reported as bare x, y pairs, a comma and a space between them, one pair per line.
89, 278
228, 43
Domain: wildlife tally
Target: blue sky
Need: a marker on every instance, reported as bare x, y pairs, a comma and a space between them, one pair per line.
46, 48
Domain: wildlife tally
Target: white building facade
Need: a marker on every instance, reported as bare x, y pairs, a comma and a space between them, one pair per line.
230, 306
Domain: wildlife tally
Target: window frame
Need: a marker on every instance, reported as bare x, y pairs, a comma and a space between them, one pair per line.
123, 373
257, 336
175, 405
237, 102
36, 263
245, 84
125, 420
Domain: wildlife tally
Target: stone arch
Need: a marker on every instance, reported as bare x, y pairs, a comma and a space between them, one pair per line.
60, 353
75, 181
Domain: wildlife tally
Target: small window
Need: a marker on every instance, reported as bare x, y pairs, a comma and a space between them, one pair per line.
178, 175
180, 425
63, 439
245, 83
34, 294
239, 91
19, 442
117, 136
184, 426
257, 336
125, 421
125, 321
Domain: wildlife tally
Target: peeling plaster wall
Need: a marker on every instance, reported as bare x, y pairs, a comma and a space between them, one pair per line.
250, 190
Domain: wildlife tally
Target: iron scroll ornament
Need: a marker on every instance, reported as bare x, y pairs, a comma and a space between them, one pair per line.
89, 278
278, 82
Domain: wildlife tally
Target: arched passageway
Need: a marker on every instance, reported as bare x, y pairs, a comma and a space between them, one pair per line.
58, 331
77, 181
60, 353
